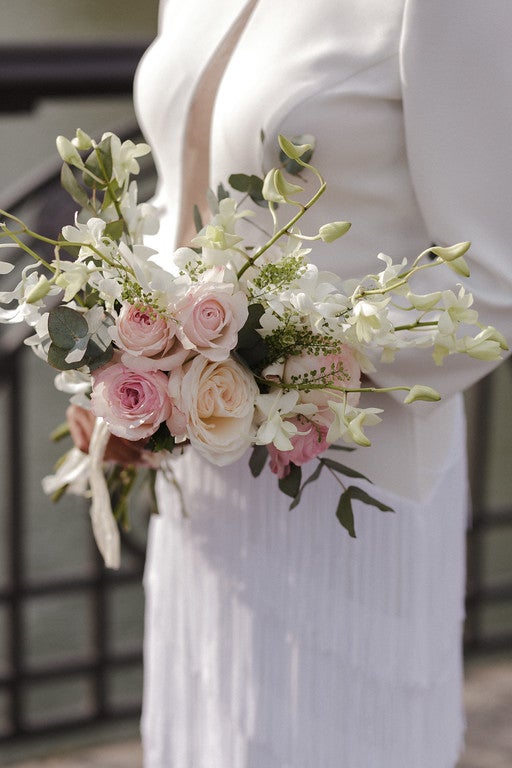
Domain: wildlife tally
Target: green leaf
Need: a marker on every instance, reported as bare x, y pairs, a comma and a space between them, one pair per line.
290, 484
66, 326
222, 193
258, 459
99, 163
342, 469
198, 220
114, 229
251, 347
57, 359
161, 440
96, 356
345, 514
72, 187
251, 185
337, 447
360, 495
311, 479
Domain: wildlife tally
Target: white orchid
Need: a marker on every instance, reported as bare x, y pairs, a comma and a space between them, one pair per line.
124, 157
348, 422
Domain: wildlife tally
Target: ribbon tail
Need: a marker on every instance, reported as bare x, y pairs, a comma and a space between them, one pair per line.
104, 526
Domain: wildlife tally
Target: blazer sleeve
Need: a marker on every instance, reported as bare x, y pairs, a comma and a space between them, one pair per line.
456, 70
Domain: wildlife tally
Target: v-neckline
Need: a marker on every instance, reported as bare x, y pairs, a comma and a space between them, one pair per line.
196, 143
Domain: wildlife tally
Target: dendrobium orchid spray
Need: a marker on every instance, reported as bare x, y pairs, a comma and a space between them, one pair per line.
234, 345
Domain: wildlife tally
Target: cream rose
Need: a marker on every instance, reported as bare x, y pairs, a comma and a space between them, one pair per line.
218, 399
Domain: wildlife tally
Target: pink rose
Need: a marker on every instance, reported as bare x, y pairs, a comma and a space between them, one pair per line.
341, 369
218, 399
148, 338
209, 317
133, 403
305, 447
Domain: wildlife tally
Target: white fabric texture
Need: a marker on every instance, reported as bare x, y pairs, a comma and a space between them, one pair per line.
272, 639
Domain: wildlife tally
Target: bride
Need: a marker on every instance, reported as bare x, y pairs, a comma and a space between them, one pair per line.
272, 639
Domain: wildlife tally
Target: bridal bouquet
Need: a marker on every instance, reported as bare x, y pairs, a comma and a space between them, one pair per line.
231, 345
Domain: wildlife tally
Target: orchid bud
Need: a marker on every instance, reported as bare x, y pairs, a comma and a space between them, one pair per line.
422, 392
82, 140
276, 189
39, 291
330, 232
68, 152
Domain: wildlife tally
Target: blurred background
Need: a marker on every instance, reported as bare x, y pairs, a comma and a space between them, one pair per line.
71, 633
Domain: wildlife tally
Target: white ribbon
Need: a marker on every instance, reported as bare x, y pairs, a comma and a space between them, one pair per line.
104, 526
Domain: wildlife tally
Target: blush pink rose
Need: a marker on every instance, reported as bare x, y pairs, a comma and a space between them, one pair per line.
209, 317
148, 339
133, 403
341, 370
305, 447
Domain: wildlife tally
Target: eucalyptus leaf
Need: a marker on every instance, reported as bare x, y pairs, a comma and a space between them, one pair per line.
96, 356
290, 485
222, 193
57, 359
258, 459
72, 187
252, 185
66, 326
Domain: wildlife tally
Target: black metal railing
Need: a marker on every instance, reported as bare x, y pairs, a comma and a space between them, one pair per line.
103, 667
92, 584
29, 73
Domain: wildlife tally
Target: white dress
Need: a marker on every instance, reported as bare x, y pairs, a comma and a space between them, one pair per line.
273, 639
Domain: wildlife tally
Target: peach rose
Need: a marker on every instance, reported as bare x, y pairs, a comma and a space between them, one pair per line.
305, 447
209, 317
217, 398
341, 370
133, 403
148, 339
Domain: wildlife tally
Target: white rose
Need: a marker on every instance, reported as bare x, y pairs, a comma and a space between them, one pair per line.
218, 400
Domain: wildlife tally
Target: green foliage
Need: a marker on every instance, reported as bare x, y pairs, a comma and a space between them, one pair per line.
72, 187
290, 485
345, 513
69, 332
251, 347
258, 460
99, 165
161, 440
252, 185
